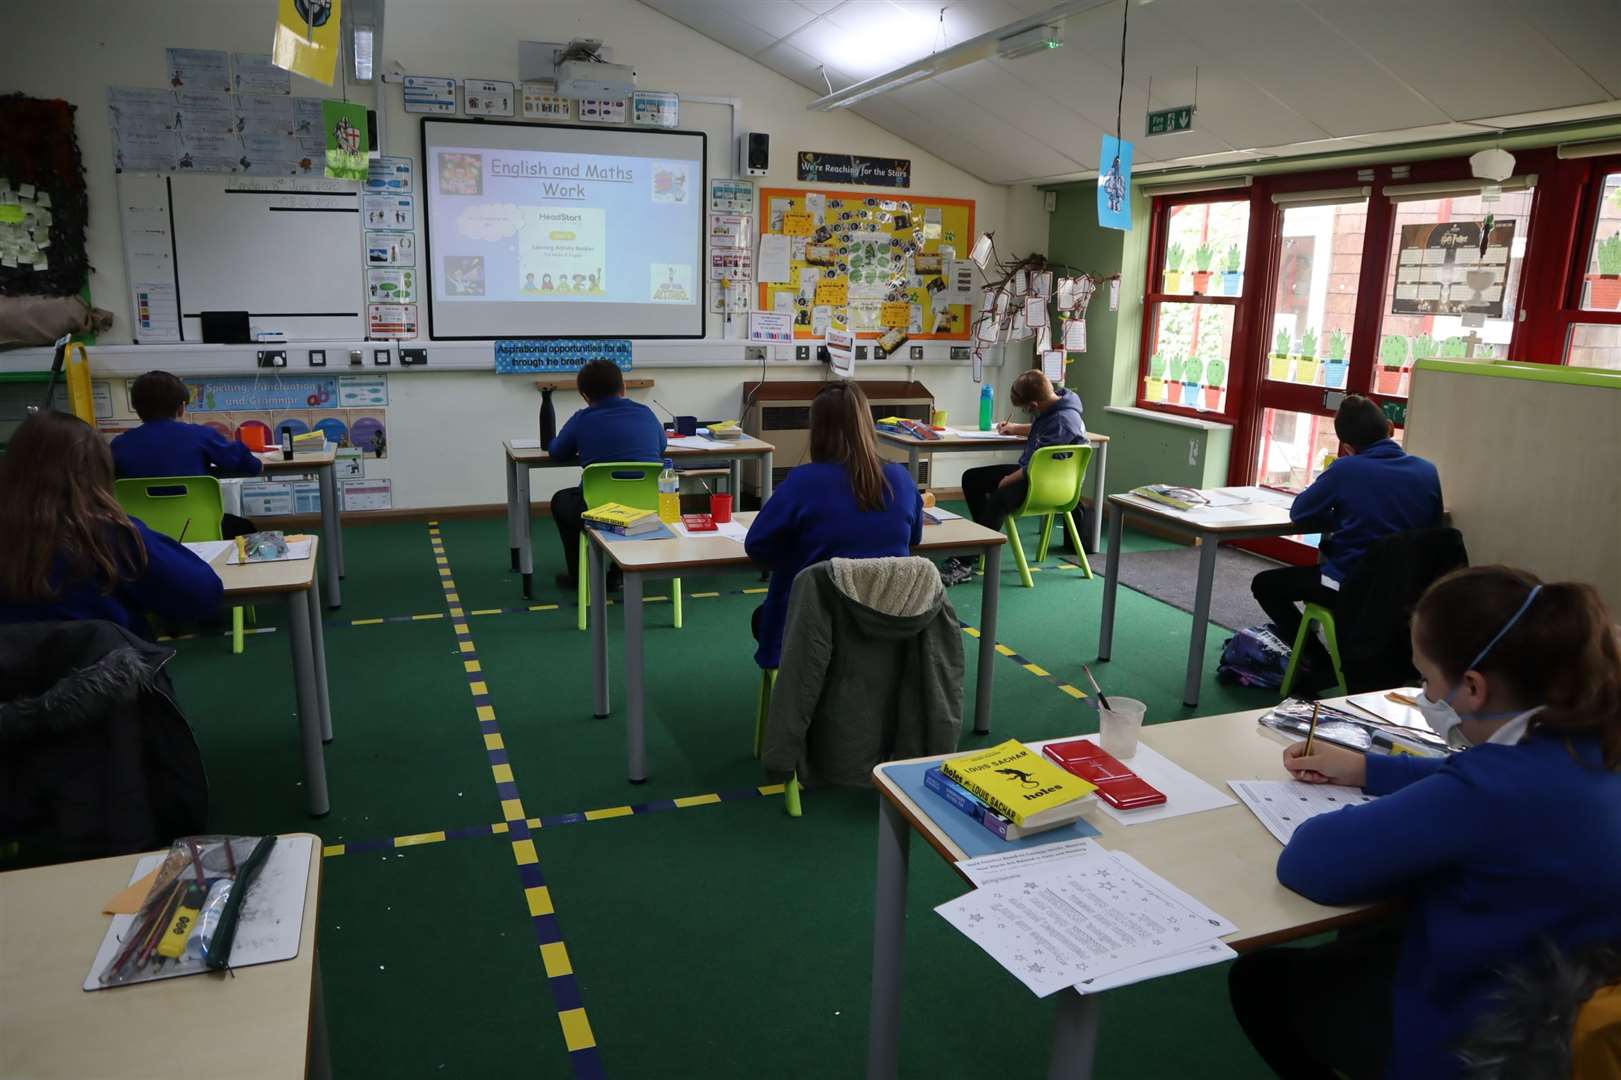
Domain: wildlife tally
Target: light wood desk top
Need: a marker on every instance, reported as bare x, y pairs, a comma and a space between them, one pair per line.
742, 446
264, 578
698, 553
1256, 516
958, 442
1224, 857
301, 462
255, 1024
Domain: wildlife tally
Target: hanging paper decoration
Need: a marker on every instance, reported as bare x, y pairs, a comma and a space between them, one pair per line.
345, 128
1114, 184
307, 40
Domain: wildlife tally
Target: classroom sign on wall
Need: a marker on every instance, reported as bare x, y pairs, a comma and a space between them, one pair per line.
884, 266
1442, 269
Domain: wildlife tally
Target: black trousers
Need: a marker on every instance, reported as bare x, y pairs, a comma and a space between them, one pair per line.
1311, 1011
232, 527
568, 507
988, 504
1277, 590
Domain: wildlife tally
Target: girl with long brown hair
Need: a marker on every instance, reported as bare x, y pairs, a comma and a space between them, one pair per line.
70, 551
846, 503
1505, 844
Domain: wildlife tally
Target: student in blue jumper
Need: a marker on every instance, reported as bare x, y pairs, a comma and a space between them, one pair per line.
164, 445
995, 491
70, 551
847, 503
1507, 845
1376, 490
611, 427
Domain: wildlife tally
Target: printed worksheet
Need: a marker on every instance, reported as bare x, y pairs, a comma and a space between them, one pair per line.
1282, 805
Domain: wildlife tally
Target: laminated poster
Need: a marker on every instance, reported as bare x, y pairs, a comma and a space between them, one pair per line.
344, 126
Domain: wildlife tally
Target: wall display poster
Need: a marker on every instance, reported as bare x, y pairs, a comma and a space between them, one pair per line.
605, 112
819, 168
1440, 269
429, 94
366, 494
730, 297
275, 392
655, 108
540, 102
364, 430
199, 69
517, 355
391, 249
388, 212
775, 327
488, 97
731, 196
861, 252
391, 320
257, 73
358, 391
265, 134
388, 285
390, 176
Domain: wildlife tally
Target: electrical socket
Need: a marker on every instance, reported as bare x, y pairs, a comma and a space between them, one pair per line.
917, 352
272, 357
801, 352
356, 359
861, 352
960, 352
879, 352
413, 357
317, 358
381, 357
754, 354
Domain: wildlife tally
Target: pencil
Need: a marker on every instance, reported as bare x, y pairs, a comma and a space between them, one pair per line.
1311, 732
183, 529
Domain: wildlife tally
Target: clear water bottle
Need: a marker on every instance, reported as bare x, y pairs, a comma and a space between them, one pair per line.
987, 407
669, 493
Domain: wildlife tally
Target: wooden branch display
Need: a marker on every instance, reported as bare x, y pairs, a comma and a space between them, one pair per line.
1019, 293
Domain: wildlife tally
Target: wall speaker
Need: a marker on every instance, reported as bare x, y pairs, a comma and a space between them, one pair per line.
753, 153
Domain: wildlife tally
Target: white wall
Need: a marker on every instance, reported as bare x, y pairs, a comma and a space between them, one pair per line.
444, 426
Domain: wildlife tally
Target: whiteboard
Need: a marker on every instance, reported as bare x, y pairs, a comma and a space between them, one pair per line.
288, 250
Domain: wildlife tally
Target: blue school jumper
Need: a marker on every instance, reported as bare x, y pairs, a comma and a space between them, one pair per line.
174, 448
1370, 494
613, 429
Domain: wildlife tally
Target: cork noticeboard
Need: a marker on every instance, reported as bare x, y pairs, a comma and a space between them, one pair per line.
879, 260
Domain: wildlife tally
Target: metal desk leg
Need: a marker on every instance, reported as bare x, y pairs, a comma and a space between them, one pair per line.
1201, 618
337, 521
318, 1056
888, 942
598, 565
734, 481
299, 617
990, 595
767, 463
1075, 1036
912, 463
635, 690
318, 653
1100, 463
332, 542
512, 510
526, 545
1111, 582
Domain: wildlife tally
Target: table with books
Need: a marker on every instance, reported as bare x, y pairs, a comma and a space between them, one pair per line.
1198, 847
521, 455
677, 553
1208, 518
322, 463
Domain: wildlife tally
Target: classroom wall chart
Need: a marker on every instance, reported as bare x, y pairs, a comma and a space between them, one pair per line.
881, 264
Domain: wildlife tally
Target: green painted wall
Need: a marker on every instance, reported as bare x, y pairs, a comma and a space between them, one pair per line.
1142, 449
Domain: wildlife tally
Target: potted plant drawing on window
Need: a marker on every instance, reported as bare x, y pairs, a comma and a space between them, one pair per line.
1232, 278
1277, 365
1192, 373
1173, 268
1392, 360
1155, 390
1306, 358
1215, 378
1604, 287
1203, 255
1335, 366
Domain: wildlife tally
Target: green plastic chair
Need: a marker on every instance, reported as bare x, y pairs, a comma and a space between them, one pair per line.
180, 507
1318, 614
790, 790
1056, 475
629, 483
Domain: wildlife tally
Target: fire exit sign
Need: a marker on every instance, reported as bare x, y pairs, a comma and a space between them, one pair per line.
1168, 121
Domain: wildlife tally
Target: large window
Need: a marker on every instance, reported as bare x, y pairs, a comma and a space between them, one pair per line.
1319, 262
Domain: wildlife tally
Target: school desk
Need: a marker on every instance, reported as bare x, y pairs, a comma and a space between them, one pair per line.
1209, 529
256, 1022
296, 581
917, 449
642, 561
1224, 857
323, 465
519, 460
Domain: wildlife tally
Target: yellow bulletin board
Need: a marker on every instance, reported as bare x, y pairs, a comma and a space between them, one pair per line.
879, 259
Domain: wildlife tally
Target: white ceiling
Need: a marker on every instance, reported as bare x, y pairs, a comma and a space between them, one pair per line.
1274, 76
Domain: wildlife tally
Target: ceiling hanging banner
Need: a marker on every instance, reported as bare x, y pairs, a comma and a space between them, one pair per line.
345, 127
307, 40
1114, 184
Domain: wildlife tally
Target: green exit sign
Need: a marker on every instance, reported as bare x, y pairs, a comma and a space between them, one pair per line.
1168, 121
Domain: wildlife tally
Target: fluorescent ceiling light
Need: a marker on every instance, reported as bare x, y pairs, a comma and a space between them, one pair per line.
974, 49
872, 39
363, 48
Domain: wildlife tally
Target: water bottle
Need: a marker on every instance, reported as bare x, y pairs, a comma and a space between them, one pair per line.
669, 493
987, 407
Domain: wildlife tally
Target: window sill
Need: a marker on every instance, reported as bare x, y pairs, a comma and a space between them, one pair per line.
1167, 418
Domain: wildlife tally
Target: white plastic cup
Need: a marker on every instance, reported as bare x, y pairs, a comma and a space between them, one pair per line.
1119, 725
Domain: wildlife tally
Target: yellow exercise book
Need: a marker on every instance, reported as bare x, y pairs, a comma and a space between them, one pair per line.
615, 514
1017, 782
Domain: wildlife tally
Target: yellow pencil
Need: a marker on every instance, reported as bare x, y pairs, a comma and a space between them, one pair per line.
1311, 732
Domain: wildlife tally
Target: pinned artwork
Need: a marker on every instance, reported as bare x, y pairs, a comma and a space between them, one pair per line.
344, 126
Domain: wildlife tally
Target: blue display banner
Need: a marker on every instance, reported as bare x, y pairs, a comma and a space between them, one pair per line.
519, 355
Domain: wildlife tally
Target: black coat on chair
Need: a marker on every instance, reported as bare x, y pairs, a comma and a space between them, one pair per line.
1376, 603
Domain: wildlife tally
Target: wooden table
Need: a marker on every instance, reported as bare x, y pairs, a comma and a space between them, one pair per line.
323, 465
519, 460
1247, 521
651, 560
296, 582
1223, 857
917, 449
264, 1021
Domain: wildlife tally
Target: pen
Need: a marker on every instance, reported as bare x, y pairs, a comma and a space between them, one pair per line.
1311, 732
183, 529
1096, 689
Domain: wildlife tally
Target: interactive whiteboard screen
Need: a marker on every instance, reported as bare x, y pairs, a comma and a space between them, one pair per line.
543, 230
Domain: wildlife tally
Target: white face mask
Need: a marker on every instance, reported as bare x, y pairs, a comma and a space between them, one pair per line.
1443, 718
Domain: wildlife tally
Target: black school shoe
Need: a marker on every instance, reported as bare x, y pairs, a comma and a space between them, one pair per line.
956, 571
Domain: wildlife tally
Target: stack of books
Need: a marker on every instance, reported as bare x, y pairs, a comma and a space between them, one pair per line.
1178, 498
622, 520
1011, 790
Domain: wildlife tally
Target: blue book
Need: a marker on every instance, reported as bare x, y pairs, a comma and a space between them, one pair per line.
971, 836
954, 793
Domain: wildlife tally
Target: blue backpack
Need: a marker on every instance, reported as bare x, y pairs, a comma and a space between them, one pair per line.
1255, 656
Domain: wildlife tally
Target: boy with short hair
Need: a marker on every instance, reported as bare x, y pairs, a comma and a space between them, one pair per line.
611, 427
166, 446
1376, 490
995, 491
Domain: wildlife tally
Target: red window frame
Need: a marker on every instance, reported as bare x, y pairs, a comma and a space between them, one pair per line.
1581, 187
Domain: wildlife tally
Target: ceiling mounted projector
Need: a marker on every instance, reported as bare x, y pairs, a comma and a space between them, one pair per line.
1034, 40
593, 80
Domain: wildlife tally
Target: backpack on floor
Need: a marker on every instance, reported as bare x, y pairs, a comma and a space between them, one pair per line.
1255, 656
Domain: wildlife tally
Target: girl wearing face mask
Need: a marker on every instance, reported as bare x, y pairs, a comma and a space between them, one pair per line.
1513, 840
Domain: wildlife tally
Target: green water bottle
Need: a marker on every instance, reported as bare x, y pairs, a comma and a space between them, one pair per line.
987, 407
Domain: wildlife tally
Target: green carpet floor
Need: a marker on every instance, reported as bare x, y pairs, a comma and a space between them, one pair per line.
713, 938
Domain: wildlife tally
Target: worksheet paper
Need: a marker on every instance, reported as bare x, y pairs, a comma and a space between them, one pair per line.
1282, 805
771, 265
1076, 920
1264, 495
524, 444
695, 442
1184, 793
209, 550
